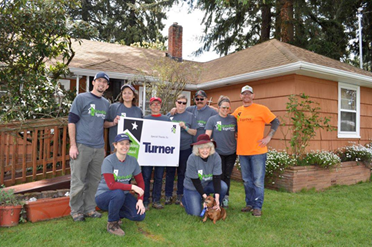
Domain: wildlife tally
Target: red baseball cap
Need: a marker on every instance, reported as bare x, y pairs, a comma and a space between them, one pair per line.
155, 99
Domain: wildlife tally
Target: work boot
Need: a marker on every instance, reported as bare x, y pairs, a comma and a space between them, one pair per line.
179, 199
114, 228
168, 200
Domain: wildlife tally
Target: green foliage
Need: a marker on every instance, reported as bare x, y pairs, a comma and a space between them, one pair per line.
324, 159
33, 34
124, 22
303, 120
8, 198
157, 45
356, 152
277, 161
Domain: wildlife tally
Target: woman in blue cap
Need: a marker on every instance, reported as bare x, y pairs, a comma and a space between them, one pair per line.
113, 193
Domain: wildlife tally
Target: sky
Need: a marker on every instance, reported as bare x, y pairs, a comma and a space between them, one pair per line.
192, 29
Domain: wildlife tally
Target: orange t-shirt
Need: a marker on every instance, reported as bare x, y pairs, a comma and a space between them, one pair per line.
251, 126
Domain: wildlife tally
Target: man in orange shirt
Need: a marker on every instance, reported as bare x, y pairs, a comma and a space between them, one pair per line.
252, 147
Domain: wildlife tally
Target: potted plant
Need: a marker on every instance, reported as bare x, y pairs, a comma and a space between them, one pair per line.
10, 208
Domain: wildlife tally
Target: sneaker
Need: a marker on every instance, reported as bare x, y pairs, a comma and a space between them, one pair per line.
179, 199
114, 228
225, 203
93, 214
168, 200
78, 217
247, 208
157, 205
256, 212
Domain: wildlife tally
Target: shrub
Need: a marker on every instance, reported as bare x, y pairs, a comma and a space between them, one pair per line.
356, 152
323, 159
8, 198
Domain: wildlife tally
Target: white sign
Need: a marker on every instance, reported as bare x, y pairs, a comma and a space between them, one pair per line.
154, 143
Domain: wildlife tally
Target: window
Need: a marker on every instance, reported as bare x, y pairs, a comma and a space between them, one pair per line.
348, 111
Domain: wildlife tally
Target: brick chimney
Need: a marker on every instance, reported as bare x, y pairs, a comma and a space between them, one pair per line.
175, 42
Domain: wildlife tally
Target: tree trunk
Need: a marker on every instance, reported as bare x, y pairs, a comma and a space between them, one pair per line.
286, 14
266, 20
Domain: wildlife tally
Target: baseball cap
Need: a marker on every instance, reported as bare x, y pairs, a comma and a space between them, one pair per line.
247, 88
102, 75
201, 93
121, 137
130, 86
155, 99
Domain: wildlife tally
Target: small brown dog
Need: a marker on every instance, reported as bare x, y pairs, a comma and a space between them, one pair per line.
212, 213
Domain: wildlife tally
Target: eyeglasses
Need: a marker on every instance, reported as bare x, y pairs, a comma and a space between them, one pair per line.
181, 102
199, 99
225, 107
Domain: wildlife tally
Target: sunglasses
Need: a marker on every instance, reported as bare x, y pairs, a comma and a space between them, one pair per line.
199, 99
181, 102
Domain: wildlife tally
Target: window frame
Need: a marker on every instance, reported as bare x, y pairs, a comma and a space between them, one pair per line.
349, 134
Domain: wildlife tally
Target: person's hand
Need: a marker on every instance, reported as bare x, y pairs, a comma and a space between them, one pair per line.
173, 111
138, 190
182, 124
116, 120
263, 142
217, 206
74, 152
140, 207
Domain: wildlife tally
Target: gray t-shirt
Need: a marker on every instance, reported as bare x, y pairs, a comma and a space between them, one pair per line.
201, 118
123, 171
188, 119
197, 168
223, 133
119, 109
92, 111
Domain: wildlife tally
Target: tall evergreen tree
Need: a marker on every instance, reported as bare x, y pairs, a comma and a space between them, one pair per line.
122, 21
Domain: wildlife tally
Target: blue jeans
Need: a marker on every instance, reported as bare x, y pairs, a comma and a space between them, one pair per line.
119, 205
158, 181
192, 200
171, 172
253, 169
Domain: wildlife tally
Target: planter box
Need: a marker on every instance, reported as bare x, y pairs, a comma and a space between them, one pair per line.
296, 178
47, 208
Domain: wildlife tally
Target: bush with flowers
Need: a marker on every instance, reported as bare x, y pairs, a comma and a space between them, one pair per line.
356, 152
325, 159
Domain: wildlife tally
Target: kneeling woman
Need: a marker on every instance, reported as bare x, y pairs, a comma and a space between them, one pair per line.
113, 190
203, 176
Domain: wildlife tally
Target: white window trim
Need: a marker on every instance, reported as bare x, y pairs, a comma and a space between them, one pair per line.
348, 134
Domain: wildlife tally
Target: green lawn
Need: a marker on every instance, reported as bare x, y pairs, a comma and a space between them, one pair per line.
340, 216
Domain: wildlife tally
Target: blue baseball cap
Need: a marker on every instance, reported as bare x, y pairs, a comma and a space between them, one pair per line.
121, 137
102, 75
130, 86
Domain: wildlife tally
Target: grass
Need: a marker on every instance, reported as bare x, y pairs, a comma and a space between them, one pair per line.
340, 216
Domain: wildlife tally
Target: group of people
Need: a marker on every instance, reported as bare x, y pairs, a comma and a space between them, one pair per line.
211, 139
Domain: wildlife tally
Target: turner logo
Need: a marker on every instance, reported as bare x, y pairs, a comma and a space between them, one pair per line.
158, 149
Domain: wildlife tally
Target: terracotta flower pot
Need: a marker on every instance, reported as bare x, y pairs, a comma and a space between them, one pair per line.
47, 208
9, 215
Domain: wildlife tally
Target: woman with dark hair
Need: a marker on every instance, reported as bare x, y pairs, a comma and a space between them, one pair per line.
126, 107
222, 129
203, 176
113, 193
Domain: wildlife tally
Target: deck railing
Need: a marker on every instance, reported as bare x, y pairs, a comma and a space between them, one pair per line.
33, 150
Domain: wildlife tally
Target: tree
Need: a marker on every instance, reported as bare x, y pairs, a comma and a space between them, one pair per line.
32, 35
125, 22
324, 27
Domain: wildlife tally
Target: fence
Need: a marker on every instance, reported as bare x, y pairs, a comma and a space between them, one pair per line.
33, 150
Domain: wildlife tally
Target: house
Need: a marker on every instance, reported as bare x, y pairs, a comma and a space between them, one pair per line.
274, 69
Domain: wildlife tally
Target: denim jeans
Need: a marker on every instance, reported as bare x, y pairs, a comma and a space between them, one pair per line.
228, 162
158, 181
253, 169
119, 205
192, 200
171, 172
